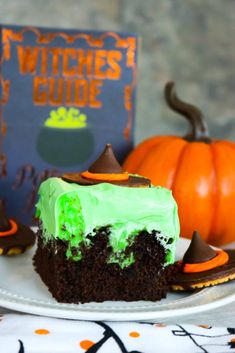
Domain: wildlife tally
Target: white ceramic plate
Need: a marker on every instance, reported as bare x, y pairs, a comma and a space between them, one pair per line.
21, 289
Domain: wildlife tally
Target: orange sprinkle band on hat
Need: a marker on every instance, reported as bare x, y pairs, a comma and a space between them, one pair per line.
106, 176
220, 259
11, 231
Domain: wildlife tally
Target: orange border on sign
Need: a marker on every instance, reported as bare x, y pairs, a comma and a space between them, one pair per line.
9, 35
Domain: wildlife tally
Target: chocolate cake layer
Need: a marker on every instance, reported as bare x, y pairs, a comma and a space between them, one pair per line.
94, 279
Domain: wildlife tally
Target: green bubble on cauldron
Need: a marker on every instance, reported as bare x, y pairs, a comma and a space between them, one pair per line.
65, 147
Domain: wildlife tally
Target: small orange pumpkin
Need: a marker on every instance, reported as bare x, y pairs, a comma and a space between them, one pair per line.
199, 171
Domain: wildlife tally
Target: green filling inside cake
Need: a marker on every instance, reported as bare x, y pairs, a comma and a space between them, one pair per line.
73, 213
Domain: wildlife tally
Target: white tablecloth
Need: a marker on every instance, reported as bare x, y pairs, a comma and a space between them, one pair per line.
35, 334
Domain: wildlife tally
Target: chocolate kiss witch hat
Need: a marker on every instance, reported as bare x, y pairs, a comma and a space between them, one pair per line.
4, 222
201, 276
106, 163
198, 251
107, 166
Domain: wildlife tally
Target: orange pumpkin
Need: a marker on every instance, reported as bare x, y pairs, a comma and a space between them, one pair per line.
199, 171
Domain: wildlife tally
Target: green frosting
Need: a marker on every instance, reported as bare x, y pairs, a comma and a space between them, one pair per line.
63, 118
71, 212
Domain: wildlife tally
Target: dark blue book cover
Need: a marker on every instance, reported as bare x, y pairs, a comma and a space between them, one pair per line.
64, 94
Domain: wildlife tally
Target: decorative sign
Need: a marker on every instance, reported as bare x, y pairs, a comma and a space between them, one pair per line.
64, 94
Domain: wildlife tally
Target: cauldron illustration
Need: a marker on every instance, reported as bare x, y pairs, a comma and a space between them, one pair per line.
65, 140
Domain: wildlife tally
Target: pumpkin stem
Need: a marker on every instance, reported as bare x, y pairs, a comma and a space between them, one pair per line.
199, 131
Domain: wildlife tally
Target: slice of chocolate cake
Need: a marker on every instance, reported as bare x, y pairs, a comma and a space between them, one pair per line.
105, 235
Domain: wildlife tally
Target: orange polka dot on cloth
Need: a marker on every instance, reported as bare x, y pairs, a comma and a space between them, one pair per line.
204, 326
134, 334
42, 331
160, 325
86, 344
